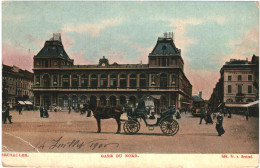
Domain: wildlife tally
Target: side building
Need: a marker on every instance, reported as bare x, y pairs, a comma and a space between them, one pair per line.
237, 85
17, 84
58, 82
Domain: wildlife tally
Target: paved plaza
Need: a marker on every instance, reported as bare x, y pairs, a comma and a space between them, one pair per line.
63, 132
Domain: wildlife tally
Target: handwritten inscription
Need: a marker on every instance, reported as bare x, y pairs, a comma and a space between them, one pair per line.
99, 143
61, 143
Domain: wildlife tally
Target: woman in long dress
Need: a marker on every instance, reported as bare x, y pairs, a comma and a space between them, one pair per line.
219, 125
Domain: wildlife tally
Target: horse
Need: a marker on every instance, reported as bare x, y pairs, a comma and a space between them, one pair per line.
100, 112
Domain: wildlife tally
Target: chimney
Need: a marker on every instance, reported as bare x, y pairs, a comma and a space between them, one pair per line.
200, 94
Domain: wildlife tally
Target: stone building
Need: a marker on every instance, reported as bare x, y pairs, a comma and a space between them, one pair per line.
58, 82
237, 84
17, 84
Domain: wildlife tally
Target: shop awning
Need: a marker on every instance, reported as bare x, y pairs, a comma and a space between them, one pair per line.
21, 102
156, 96
235, 105
251, 103
28, 102
243, 105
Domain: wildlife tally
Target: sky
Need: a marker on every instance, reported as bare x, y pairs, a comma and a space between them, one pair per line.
208, 33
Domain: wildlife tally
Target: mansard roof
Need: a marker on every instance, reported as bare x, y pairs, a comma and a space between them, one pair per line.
53, 48
165, 46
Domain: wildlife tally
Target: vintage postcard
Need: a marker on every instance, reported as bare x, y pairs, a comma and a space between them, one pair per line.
130, 84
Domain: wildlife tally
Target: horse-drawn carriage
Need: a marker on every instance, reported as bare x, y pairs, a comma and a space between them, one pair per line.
145, 111
165, 121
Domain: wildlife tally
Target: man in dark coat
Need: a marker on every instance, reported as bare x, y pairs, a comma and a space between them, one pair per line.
219, 124
45, 113
41, 112
69, 109
203, 115
20, 110
7, 115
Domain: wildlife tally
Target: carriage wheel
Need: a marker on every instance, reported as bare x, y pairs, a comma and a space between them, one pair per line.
169, 126
131, 127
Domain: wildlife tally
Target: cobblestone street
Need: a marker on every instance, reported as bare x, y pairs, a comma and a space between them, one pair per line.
64, 132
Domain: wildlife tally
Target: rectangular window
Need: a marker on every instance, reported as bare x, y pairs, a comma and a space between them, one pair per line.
249, 77
249, 89
239, 77
229, 89
229, 78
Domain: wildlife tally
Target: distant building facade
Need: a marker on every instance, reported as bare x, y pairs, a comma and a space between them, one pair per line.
17, 84
58, 82
237, 84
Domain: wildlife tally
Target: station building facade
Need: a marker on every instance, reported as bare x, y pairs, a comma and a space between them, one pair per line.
58, 82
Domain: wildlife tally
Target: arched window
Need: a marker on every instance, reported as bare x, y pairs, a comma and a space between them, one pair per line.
46, 101
113, 81
142, 81
83, 99
65, 81
93, 100
84, 81
37, 80
112, 101
65, 101
163, 81
122, 81
229, 101
163, 102
75, 81
103, 100
46, 80
93, 81
103, 81
132, 101
122, 100
133, 81
55, 80
74, 102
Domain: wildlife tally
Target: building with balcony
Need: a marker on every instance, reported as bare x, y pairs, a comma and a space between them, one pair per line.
17, 84
237, 84
60, 83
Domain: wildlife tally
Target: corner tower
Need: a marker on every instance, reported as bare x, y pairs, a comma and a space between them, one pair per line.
165, 54
52, 54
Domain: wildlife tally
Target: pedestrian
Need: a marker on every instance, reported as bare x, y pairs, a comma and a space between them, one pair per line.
203, 115
178, 114
229, 113
247, 114
45, 113
7, 115
208, 117
219, 124
41, 112
20, 110
69, 109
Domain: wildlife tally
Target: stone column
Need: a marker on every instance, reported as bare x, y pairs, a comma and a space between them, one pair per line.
89, 76
138, 81
108, 80
98, 79
107, 99
79, 80
70, 80
128, 80
117, 101
118, 80
98, 101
